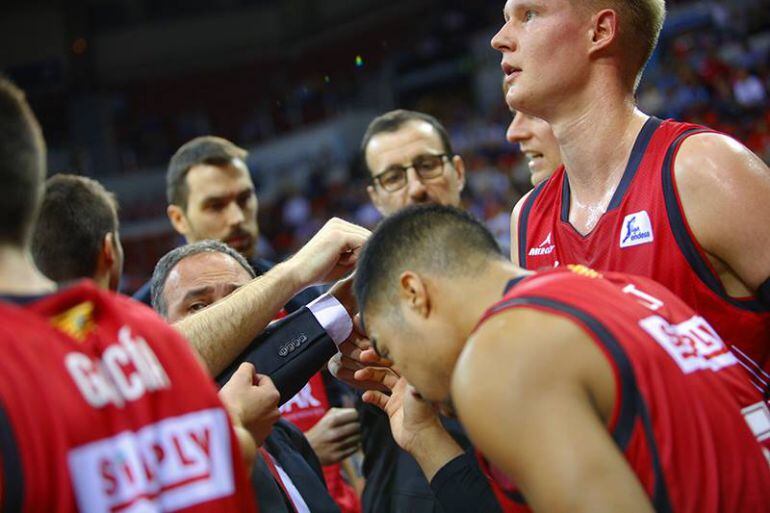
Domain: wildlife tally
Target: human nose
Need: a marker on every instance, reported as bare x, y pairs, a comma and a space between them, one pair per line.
234, 214
503, 40
415, 186
518, 130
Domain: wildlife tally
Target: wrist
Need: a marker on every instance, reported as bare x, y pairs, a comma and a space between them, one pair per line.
290, 272
432, 448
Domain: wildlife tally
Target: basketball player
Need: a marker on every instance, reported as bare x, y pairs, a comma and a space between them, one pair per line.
76, 235
538, 144
593, 392
672, 201
102, 405
409, 158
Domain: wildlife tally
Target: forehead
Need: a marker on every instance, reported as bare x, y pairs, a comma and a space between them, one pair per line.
203, 269
400, 147
208, 180
511, 5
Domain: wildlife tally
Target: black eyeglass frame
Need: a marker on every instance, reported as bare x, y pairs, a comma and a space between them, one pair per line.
377, 179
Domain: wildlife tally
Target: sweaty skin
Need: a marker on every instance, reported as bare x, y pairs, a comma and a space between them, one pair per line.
565, 67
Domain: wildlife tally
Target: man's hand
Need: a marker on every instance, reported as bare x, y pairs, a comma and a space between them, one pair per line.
356, 353
414, 423
330, 254
409, 415
336, 436
252, 401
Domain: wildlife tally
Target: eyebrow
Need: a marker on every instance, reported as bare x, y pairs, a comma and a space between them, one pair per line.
209, 199
416, 157
194, 293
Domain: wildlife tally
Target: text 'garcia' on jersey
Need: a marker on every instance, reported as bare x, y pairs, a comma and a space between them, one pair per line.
125, 372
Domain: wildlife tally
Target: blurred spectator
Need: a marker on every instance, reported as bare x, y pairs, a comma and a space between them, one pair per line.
748, 89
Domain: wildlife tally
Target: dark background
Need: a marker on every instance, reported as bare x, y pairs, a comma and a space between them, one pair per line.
119, 85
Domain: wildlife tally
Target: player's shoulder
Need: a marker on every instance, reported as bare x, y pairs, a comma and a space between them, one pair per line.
519, 351
709, 158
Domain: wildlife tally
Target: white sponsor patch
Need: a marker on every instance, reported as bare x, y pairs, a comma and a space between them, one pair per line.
173, 464
636, 230
693, 344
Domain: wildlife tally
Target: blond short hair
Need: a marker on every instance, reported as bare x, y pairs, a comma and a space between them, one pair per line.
640, 23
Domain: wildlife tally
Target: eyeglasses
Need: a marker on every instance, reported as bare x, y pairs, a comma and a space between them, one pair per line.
426, 167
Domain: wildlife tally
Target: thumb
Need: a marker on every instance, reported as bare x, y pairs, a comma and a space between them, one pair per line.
244, 375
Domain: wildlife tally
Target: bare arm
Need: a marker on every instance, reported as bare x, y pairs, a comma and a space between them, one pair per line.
515, 229
222, 331
724, 189
530, 401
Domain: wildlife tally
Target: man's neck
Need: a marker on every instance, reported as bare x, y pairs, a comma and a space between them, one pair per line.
596, 141
19, 276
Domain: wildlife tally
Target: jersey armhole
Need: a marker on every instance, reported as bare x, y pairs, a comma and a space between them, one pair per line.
523, 221
630, 406
683, 234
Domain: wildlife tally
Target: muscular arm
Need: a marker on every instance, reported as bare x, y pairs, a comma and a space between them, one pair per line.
515, 229
531, 401
222, 331
724, 190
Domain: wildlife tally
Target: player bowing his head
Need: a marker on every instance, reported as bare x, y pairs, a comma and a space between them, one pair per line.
581, 387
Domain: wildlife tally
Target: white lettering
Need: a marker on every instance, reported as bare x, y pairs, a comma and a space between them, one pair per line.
643, 298
125, 372
302, 399
173, 464
693, 344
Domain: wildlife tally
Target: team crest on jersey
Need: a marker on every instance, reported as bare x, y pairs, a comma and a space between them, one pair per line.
545, 248
77, 322
637, 229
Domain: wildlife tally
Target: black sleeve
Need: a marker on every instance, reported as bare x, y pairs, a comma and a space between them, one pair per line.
459, 486
290, 351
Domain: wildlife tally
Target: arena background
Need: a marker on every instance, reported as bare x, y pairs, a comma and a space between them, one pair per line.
119, 85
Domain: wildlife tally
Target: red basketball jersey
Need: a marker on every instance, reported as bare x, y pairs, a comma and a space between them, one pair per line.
644, 232
691, 426
104, 408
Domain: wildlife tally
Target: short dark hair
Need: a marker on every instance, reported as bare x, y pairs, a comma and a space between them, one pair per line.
22, 165
393, 121
76, 213
433, 238
211, 150
170, 260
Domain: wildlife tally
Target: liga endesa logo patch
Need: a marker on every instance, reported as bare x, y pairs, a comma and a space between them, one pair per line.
173, 464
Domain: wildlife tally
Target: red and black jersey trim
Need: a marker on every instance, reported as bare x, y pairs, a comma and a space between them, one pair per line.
13, 472
634, 160
688, 247
632, 405
524, 220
